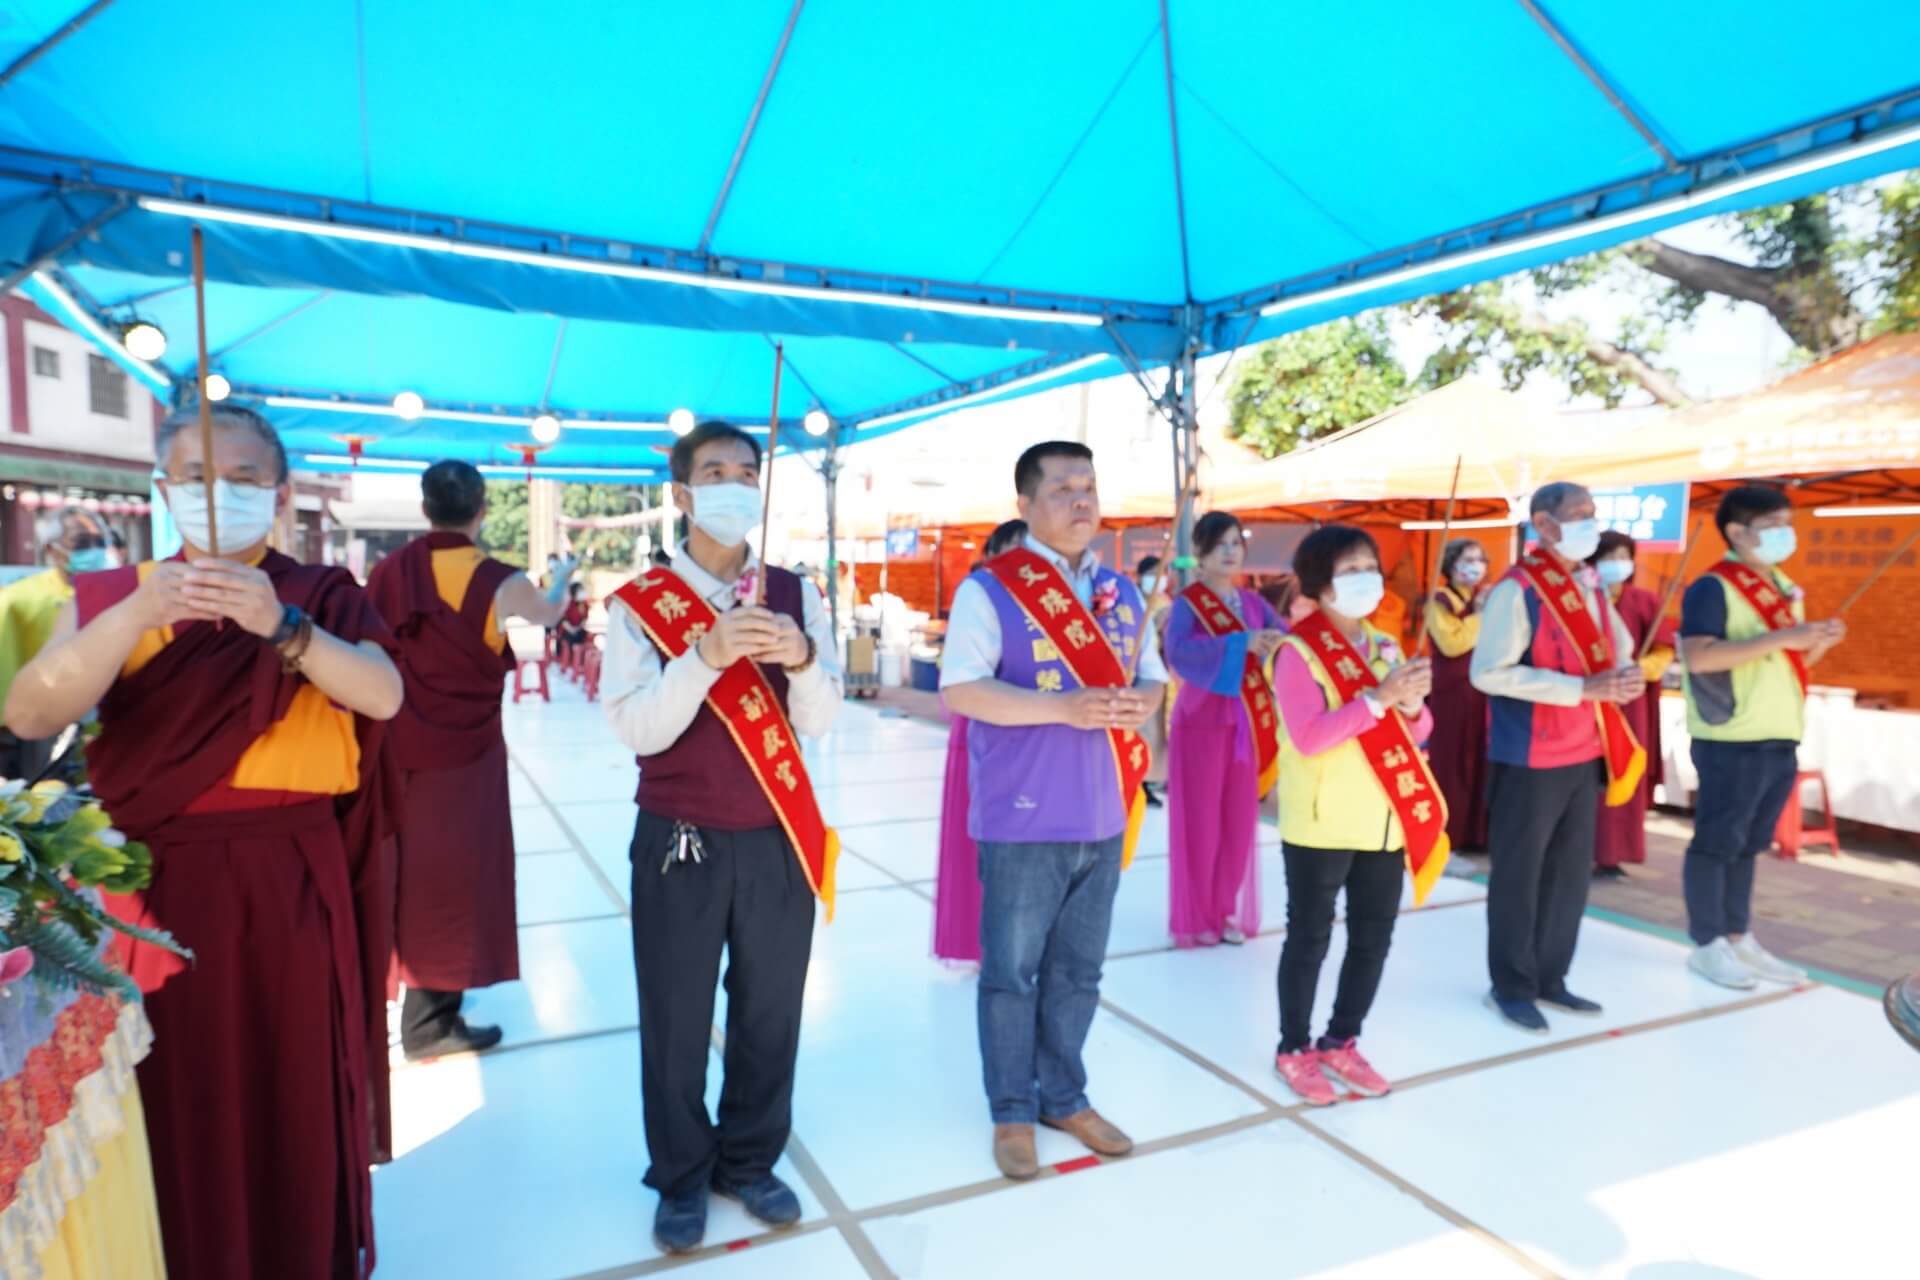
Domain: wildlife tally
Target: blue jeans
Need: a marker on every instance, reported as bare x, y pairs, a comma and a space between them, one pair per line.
1743, 788
1045, 910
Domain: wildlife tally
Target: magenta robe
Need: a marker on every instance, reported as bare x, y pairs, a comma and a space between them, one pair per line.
956, 893
1213, 794
1621, 835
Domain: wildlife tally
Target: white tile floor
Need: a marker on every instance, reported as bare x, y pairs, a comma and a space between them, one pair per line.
1691, 1133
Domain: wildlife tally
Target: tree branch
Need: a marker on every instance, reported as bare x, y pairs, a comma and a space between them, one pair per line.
1656, 382
1808, 303
1708, 274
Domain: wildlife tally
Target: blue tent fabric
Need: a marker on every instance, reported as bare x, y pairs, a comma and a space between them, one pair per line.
1119, 181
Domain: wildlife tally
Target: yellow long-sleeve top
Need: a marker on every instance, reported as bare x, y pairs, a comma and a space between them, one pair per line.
1454, 622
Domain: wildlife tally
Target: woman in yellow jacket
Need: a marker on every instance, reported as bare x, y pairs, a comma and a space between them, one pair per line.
1336, 826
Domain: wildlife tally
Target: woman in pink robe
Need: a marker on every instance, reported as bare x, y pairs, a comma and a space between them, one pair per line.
956, 891
1213, 789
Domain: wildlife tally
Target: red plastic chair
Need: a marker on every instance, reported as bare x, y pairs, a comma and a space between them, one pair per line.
590, 673
520, 685
1792, 834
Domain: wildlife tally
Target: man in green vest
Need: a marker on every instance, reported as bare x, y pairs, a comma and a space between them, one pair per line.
1748, 647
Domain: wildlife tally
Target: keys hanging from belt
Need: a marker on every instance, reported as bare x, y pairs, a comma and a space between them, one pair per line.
683, 846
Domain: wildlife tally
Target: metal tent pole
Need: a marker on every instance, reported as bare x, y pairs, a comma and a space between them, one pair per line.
1186, 451
830, 476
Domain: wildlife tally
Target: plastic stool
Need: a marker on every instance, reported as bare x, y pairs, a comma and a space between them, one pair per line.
520, 685
590, 673
1791, 833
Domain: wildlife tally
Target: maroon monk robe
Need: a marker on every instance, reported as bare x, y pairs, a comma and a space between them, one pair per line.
454, 926
1457, 748
1621, 835
266, 1092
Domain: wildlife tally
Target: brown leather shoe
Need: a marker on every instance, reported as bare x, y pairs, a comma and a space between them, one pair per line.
1095, 1131
1013, 1151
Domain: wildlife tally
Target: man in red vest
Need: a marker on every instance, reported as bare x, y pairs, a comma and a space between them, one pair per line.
709, 685
444, 598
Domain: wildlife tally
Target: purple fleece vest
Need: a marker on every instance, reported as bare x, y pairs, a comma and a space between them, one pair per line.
1048, 784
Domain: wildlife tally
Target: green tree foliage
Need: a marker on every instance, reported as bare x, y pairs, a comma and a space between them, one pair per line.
505, 533
1314, 382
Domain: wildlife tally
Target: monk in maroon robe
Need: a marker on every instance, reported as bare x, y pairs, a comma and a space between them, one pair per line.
241, 701
454, 897
1621, 836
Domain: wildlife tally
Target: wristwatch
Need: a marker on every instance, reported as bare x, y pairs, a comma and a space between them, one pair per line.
289, 627
812, 653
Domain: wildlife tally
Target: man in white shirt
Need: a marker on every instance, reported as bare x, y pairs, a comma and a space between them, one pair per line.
713, 866
1045, 801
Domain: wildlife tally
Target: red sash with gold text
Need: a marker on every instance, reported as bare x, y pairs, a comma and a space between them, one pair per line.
1775, 609
1044, 596
1255, 693
1398, 764
1560, 598
675, 617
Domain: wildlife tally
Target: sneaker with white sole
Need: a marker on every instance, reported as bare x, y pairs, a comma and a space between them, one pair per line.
1717, 962
1233, 936
1301, 1071
1765, 965
1341, 1061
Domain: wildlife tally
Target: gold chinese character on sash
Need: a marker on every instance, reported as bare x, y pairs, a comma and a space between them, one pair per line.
1394, 758
1766, 595
1043, 651
1031, 576
1126, 613
1139, 755
753, 705
1266, 719
1347, 668
1055, 602
1423, 811
772, 741
1570, 601
671, 607
1408, 783
1047, 680
1554, 578
784, 772
1077, 634
696, 633
1599, 652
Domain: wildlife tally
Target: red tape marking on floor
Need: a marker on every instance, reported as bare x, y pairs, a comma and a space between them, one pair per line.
738, 1245
1075, 1166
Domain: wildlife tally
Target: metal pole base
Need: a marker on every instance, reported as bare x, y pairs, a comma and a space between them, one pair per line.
1902, 1003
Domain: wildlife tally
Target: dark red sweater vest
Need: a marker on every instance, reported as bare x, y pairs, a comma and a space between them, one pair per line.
702, 778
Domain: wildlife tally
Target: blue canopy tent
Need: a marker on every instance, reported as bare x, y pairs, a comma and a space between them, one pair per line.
925, 205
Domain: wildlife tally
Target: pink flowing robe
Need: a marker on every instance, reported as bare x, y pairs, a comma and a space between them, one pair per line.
956, 893
1213, 785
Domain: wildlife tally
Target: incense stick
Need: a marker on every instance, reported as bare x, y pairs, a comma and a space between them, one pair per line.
206, 409
766, 514
1673, 585
1433, 570
1879, 572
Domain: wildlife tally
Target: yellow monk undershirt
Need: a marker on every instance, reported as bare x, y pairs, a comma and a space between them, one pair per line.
453, 570
311, 750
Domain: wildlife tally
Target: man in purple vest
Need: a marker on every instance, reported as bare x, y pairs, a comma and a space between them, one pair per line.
1046, 809
1547, 774
712, 867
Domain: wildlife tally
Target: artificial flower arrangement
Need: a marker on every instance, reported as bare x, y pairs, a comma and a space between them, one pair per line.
57, 848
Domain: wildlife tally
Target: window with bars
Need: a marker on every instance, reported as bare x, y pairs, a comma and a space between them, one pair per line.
106, 387
46, 363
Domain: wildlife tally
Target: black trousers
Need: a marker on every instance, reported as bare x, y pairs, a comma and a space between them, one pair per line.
1315, 878
1540, 825
750, 897
426, 1014
1743, 788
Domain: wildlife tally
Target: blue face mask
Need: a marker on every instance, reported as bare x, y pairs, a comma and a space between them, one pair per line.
87, 560
1776, 544
1615, 572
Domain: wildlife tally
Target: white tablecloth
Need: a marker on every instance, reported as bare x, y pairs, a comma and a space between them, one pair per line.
1871, 758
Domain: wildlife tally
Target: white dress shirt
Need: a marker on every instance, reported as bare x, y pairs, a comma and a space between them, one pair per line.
1506, 639
972, 649
650, 704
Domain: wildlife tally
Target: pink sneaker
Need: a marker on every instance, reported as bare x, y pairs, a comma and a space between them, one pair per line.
1344, 1063
1302, 1073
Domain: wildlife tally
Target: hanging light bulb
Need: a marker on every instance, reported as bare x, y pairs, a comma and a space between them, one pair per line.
409, 405
680, 421
218, 388
144, 341
816, 422
545, 428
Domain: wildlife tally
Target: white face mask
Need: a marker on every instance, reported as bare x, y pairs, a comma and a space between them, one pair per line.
726, 513
1614, 572
1356, 595
1469, 572
1776, 544
1578, 539
245, 513
1149, 584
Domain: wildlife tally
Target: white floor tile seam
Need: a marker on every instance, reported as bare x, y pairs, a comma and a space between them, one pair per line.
579, 846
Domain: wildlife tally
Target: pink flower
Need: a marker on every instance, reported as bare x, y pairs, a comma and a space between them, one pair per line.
15, 965
1105, 597
743, 589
